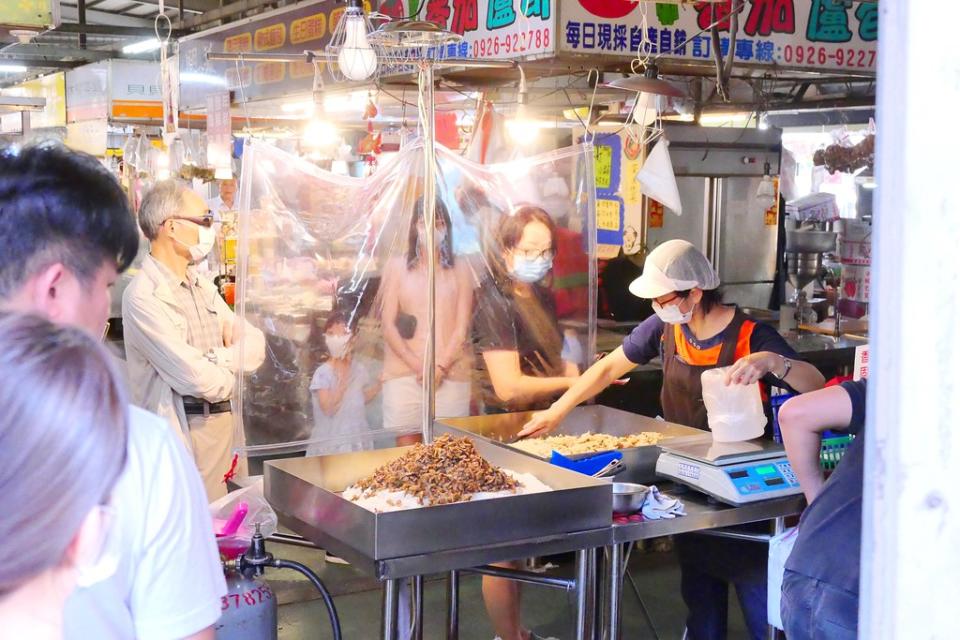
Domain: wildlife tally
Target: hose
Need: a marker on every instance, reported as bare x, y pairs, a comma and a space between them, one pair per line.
315, 579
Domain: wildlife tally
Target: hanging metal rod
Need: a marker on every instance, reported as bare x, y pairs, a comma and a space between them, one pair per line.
310, 56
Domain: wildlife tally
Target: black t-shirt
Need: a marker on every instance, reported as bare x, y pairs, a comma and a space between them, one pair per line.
525, 324
828, 542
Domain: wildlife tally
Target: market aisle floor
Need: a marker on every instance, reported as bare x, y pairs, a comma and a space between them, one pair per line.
548, 611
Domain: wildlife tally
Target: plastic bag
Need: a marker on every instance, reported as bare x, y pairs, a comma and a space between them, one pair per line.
258, 511
781, 546
734, 412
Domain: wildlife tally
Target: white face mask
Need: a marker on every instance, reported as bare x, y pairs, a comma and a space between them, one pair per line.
205, 239
100, 555
671, 314
337, 344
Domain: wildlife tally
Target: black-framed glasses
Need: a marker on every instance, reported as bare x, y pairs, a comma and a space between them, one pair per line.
204, 221
534, 254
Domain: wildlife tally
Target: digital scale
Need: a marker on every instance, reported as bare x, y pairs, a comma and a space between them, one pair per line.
732, 472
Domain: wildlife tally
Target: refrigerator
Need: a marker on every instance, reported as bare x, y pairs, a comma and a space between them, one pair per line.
718, 173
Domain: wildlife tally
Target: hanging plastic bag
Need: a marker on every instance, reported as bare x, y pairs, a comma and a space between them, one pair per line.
237, 514
657, 179
734, 412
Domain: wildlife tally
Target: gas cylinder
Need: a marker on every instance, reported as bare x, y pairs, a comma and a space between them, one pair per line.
249, 610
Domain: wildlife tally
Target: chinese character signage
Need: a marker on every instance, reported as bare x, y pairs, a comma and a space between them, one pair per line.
490, 28
114, 89
817, 34
219, 140
861, 362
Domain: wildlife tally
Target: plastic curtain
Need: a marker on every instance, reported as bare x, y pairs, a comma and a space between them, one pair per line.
332, 270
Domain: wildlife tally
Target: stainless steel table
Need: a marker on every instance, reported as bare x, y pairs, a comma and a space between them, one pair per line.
393, 570
703, 515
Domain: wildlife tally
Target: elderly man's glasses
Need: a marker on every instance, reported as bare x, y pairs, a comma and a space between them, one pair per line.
203, 221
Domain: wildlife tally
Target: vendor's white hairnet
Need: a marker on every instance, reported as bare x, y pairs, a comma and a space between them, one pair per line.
676, 265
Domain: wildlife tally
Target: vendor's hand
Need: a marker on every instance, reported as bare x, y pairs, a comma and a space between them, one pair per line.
541, 423
750, 369
228, 334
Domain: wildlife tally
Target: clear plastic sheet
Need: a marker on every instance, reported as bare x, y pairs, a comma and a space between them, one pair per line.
333, 270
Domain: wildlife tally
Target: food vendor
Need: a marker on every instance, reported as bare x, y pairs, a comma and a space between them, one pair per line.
691, 332
521, 345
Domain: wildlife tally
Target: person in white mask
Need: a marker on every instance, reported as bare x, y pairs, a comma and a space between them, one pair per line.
64, 416
692, 331
340, 390
182, 340
523, 355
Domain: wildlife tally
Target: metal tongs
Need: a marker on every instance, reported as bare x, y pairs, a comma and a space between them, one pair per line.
613, 467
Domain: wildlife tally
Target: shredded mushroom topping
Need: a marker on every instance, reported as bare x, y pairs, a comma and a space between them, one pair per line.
586, 443
446, 471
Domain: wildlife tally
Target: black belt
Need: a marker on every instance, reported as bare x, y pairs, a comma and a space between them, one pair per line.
197, 407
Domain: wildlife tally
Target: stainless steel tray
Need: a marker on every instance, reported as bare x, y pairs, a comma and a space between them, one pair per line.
306, 490
641, 462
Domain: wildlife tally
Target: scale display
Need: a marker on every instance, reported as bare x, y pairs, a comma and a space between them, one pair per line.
751, 473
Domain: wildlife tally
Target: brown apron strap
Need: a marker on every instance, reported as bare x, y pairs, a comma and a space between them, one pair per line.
731, 336
669, 342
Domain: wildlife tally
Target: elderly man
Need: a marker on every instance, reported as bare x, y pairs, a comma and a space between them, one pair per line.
226, 200
182, 339
65, 233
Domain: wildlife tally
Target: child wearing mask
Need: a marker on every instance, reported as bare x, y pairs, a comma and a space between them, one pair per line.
339, 390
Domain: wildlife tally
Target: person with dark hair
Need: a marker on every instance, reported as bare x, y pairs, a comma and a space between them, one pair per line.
820, 596
405, 327
340, 389
181, 338
521, 343
516, 328
691, 332
66, 232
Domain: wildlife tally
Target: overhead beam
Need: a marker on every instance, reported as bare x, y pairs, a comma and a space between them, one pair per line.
43, 63
21, 103
112, 30
192, 6
226, 11
68, 13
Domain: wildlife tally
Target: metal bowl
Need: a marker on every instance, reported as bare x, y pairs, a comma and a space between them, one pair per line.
628, 497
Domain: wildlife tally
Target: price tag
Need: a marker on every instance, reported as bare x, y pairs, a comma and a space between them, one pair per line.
603, 166
861, 362
632, 193
608, 215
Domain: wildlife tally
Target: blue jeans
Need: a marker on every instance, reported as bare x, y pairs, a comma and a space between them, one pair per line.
707, 604
815, 610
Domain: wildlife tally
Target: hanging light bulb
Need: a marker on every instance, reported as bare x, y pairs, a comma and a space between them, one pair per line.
522, 129
357, 59
319, 133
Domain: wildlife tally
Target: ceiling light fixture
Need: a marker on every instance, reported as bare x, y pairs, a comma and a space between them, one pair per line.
143, 46
356, 59
12, 68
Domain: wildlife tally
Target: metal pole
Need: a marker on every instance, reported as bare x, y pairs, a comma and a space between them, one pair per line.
430, 215
82, 20
453, 605
391, 598
615, 592
418, 608
586, 573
